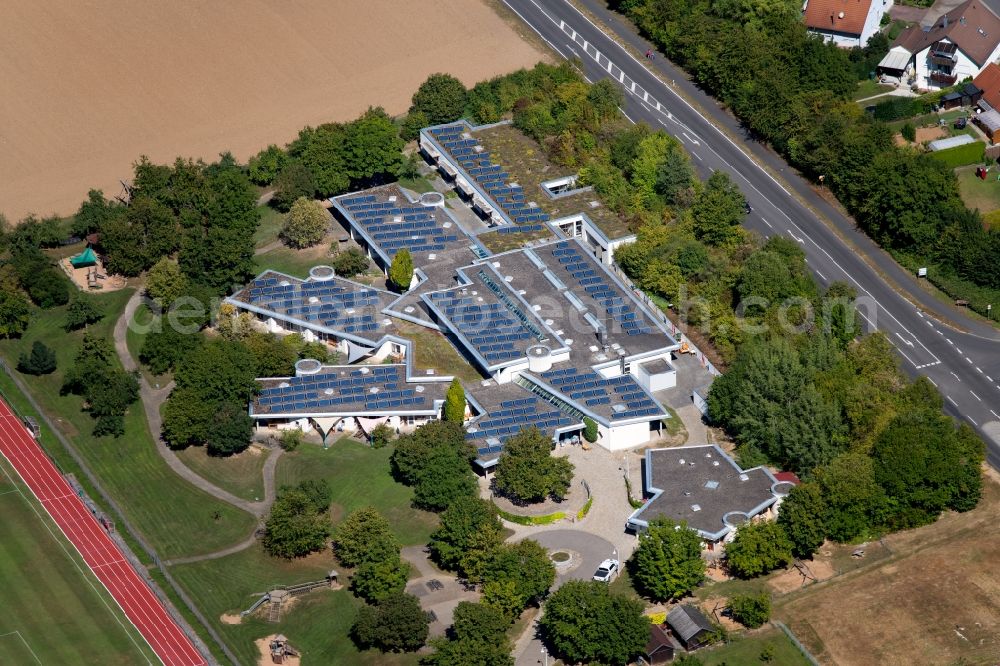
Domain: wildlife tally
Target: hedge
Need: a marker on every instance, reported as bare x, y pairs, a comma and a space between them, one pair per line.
897, 108
969, 153
532, 520
582, 513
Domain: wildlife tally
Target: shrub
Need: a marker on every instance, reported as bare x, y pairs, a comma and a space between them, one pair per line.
401, 270
290, 439
909, 132
41, 360
350, 263
395, 624
590, 431
306, 224
381, 436
751, 610
969, 153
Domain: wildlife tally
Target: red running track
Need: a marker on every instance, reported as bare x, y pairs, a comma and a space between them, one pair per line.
101, 554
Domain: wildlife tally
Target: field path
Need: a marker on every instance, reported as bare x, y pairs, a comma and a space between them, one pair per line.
152, 399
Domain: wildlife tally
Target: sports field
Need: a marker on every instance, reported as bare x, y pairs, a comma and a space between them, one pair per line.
88, 87
54, 610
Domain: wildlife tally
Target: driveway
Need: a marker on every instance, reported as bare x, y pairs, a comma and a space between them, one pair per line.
587, 551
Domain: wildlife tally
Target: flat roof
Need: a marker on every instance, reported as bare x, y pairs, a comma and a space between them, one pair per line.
348, 390
332, 303
608, 399
705, 488
578, 295
507, 410
489, 318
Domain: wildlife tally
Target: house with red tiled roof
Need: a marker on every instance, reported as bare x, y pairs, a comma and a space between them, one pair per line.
989, 82
846, 23
959, 45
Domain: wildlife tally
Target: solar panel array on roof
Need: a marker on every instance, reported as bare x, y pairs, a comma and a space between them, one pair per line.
399, 224
490, 176
350, 391
596, 284
331, 304
497, 330
593, 390
510, 418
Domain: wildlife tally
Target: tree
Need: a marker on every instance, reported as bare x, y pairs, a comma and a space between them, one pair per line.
469, 529
81, 312
306, 224
667, 565
454, 403
584, 622
265, 166
854, 500
294, 528
15, 314
751, 610
525, 564
374, 581
395, 624
41, 360
372, 149
349, 263
441, 99
446, 477
138, 238
802, 518
413, 450
718, 210
909, 132
478, 636
94, 213
294, 182
381, 435
162, 350
364, 536
675, 178
231, 431
401, 270
318, 491
165, 282
757, 548
412, 124
590, 431
527, 470
107, 390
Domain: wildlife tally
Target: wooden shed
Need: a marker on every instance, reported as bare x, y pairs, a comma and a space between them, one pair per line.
662, 646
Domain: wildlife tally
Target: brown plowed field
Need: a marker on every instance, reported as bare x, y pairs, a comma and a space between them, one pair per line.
88, 86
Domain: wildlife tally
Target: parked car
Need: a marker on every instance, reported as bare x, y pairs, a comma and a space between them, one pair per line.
961, 122
607, 571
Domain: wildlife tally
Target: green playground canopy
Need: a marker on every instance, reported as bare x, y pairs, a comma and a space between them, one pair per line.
84, 259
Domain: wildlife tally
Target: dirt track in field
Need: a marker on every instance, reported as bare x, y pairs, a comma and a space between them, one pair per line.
88, 86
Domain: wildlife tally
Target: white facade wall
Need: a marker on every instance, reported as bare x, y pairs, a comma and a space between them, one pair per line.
622, 437
873, 22
964, 67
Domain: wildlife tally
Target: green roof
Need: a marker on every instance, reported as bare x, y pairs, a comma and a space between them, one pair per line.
84, 259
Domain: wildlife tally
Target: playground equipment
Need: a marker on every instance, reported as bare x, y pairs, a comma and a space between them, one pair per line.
279, 595
281, 649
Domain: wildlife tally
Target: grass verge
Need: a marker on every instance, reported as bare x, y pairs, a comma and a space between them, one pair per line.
754, 648
241, 474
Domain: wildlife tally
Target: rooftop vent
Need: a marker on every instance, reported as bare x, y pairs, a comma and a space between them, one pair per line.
744, 477
313, 299
687, 493
365, 371
328, 391
419, 389
715, 463
695, 507
711, 485
392, 198
373, 389
284, 283
283, 385
619, 408
397, 218
508, 278
430, 371
708, 455
681, 461
432, 256
408, 309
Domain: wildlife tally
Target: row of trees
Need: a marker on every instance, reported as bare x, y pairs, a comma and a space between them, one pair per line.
794, 90
107, 389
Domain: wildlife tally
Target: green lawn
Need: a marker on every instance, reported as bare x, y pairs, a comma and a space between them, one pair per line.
977, 193
418, 184
358, 476
317, 625
870, 88
55, 610
242, 474
294, 262
433, 350
271, 221
748, 650
177, 518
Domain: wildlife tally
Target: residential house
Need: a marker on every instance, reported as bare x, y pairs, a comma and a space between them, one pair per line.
988, 82
957, 46
846, 23
662, 647
690, 626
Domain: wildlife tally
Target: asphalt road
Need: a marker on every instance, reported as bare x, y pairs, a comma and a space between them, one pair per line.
963, 364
